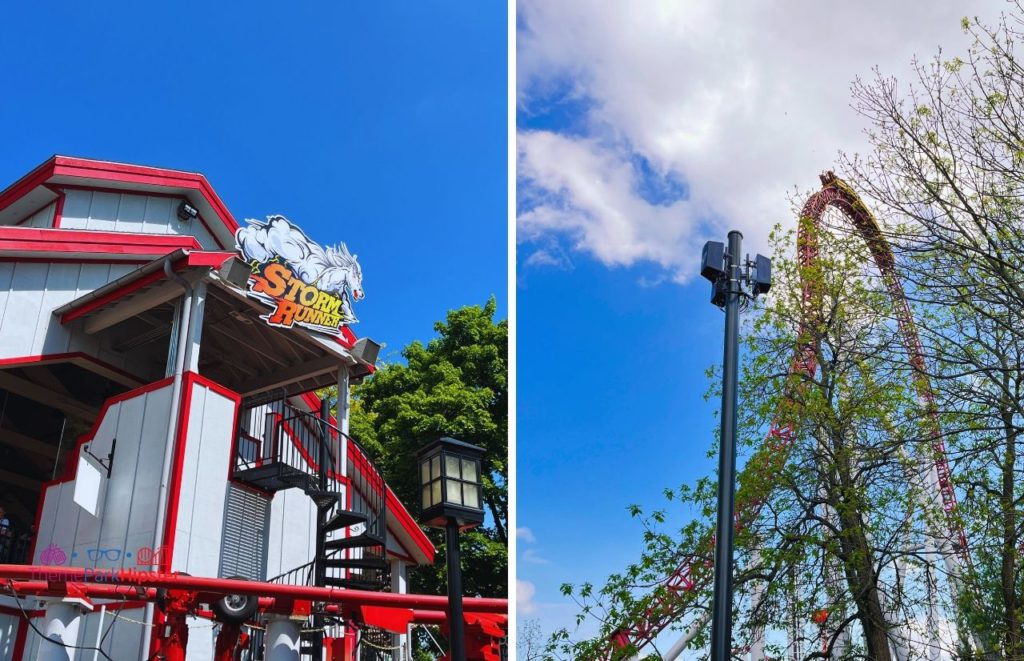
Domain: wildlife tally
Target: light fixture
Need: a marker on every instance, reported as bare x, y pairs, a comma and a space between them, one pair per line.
450, 484
450, 497
187, 212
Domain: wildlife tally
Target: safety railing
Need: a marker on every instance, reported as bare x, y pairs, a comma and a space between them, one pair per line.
15, 545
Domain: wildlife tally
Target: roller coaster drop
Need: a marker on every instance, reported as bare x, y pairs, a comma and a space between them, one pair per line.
668, 604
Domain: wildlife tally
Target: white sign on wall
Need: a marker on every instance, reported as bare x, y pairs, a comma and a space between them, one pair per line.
90, 485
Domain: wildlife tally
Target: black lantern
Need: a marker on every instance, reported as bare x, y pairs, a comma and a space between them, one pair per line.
450, 497
450, 484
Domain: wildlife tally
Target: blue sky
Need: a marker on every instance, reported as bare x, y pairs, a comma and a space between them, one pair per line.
610, 412
383, 126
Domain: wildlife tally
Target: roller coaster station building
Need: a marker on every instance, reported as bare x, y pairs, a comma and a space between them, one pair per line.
171, 485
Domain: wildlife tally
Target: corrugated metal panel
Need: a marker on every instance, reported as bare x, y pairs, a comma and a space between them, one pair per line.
244, 549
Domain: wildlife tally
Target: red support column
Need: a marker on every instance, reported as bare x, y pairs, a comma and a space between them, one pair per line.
227, 642
342, 649
172, 641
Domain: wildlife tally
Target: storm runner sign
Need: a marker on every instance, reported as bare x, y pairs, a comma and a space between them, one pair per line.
304, 284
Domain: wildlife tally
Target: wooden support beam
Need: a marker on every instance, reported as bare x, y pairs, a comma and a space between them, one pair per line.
249, 340
43, 376
16, 480
131, 306
64, 403
27, 443
284, 377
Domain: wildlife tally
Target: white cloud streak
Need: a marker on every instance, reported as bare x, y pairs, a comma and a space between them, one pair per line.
524, 597
739, 101
525, 534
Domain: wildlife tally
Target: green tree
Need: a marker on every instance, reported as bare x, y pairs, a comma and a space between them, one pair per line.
948, 162
829, 522
456, 385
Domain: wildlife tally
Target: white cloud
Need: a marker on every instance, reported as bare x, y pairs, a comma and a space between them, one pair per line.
524, 597
529, 555
525, 534
739, 101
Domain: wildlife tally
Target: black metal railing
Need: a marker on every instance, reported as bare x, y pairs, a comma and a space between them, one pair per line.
15, 545
280, 447
307, 444
301, 575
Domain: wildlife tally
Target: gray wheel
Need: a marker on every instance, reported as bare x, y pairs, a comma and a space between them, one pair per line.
235, 608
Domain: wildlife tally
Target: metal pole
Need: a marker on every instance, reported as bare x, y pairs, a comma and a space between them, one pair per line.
457, 640
99, 634
721, 622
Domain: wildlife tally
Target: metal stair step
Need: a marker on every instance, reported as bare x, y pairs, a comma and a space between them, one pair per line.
357, 541
355, 584
323, 499
362, 563
344, 519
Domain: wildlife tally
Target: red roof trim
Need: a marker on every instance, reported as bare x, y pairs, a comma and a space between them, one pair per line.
407, 522
212, 259
65, 166
35, 178
61, 241
142, 174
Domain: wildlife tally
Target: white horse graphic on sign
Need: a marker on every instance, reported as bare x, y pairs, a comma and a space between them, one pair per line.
334, 270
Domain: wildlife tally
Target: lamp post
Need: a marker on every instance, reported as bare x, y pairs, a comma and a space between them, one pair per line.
450, 498
728, 273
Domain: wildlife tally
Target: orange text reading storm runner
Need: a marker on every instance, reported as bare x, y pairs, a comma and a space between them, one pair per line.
297, 302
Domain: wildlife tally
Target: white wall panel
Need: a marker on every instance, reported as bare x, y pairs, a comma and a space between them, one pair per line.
75, 214
127, 212
292, 532
158, 214
147, 470
197, 546
127, 520
6, 276
121, 634
30, 291
42, 218
131, 215
61, 287
8, 634
21, 311
103, 212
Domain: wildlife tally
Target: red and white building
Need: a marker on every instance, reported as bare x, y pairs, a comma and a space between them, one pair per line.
151, 420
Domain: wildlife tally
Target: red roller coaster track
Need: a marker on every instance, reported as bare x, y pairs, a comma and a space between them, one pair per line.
667, 604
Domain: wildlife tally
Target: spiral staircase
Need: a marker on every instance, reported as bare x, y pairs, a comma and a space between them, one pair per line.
299, 450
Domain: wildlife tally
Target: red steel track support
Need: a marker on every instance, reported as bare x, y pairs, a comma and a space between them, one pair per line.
185, 593
692, 574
